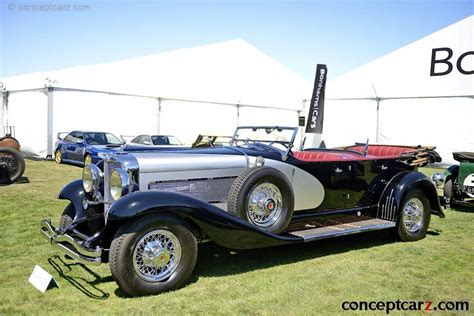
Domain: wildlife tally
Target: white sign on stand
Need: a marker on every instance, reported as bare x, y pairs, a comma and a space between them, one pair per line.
41, 279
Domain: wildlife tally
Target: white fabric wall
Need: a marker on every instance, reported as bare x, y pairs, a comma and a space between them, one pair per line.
349, 121
28, 113
121, 115
186, 120
1, 115
447, 123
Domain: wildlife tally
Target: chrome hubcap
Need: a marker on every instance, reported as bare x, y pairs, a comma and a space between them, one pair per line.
58, 157
413, 215
264, 204
157, 255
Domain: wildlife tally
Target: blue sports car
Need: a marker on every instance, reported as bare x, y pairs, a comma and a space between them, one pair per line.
83, 148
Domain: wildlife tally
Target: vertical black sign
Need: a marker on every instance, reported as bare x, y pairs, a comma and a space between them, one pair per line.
316, 108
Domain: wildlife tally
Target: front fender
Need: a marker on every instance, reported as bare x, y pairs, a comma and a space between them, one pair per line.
451, 171
221, 227
74, 192
390, 203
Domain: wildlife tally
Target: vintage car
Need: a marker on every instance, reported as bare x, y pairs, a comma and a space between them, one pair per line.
457, 181
12, 163
157, 141
83, 148
146, 213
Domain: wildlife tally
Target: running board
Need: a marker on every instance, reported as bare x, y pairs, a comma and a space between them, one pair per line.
342, 229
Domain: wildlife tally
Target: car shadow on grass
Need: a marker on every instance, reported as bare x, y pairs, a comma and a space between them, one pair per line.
87, 287
215, 261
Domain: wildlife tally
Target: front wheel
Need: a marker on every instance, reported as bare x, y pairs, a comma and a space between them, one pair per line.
415, 217
153, 254
87, 159
58, 156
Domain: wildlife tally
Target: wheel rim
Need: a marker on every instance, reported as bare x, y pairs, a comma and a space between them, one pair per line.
157, 255
264, 204
413, 215
10, 164
57, 157
87, 160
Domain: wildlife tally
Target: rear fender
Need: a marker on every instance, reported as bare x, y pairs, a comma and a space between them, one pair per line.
390, 203
74, 192
451, 171
221, 227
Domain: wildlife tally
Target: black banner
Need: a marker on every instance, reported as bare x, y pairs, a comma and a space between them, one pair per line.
316, 108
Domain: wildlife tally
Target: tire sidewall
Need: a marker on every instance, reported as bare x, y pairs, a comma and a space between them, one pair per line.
125, 273
21, 162
403, 233
273, 176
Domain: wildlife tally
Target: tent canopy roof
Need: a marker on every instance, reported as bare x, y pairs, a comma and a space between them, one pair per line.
231, 72
406, 72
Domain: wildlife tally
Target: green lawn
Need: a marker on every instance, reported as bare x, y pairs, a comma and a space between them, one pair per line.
295, 280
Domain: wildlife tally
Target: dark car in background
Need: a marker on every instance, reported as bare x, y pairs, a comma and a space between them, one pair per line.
83, 148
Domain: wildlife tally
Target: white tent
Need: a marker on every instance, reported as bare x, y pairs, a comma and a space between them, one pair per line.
400, 99
205, 89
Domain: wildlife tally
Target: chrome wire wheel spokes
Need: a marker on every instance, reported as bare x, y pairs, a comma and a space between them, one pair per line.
264, 204
157, 255
9, 163
412, 215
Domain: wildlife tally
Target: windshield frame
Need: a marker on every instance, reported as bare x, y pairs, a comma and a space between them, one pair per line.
268, 129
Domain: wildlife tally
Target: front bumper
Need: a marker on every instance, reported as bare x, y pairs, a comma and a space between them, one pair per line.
69, 245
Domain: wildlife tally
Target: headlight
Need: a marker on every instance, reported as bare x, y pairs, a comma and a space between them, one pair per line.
91, 177
438, 178
120, 183
104, 155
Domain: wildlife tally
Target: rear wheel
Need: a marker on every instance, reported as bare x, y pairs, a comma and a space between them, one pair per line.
12, 164
154, 254
415, 217
448, 190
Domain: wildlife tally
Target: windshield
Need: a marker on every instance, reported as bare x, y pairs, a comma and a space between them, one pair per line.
102, 139
165, 140
276, 136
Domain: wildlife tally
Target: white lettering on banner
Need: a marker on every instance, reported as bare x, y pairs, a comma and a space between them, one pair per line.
315, 112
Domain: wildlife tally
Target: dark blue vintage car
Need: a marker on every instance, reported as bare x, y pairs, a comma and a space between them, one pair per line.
83, 148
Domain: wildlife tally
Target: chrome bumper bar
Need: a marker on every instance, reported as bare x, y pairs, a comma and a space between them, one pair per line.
69, 245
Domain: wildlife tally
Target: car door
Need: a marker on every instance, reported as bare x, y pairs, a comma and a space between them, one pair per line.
75, 149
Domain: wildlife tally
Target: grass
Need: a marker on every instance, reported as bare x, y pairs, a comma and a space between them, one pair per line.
313, 278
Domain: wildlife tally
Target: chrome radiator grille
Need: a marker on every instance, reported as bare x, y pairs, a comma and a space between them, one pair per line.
209, 190
109, 166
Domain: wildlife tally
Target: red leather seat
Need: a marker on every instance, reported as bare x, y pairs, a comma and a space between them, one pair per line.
384, 151
327, 156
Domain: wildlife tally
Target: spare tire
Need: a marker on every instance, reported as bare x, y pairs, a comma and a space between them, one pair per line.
262, 196
12, 164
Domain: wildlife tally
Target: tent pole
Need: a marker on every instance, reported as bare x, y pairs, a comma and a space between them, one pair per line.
377, 139
159, 116
49, 148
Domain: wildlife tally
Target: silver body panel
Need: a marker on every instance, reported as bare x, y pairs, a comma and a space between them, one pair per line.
156, 168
